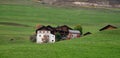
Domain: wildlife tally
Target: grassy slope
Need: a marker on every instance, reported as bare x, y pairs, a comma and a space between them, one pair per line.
99, 45
32, 15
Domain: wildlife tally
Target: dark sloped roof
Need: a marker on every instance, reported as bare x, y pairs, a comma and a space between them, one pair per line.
42, 28
87, 33
53, 29
49, 28
107, 27
64, 26
45, 28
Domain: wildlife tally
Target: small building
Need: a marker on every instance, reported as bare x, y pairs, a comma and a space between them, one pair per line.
44, 35
73, 34
108, 27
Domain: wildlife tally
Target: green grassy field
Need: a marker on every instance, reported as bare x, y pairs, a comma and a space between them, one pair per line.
103, 44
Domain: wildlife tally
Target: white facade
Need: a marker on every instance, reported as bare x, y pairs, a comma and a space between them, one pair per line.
44, 36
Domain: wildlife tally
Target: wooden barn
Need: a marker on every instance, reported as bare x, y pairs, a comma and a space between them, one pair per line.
63, 30
108, 27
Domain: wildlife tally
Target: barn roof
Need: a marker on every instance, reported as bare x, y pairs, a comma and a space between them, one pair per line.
107, 27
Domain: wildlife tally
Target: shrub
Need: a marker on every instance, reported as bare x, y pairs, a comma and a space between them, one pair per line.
58, 36
33, 38
78, 27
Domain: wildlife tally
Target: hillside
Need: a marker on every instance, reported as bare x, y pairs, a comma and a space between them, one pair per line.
19, 18
100, 45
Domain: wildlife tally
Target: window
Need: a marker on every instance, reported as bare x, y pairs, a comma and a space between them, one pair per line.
39, 35
52, 40
39, 31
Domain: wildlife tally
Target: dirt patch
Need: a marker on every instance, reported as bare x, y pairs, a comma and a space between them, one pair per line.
13, 24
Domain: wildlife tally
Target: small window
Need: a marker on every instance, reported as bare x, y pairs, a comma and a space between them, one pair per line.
39, 31
39, 35
52, 40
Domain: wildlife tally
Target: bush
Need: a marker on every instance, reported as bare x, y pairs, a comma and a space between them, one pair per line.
58, 36
33, 38
78, 27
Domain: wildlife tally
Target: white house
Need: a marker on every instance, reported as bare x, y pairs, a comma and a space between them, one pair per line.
45, 36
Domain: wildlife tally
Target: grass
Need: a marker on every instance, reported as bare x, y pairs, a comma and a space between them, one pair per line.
32, 15
103, 44
93, 46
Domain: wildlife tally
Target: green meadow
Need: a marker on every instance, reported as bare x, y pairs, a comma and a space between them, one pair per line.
19, 18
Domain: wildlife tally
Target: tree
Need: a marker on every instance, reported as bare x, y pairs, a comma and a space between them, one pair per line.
78, 27
58, 36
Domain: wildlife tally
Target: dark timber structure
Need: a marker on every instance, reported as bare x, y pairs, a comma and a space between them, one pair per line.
108, 27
